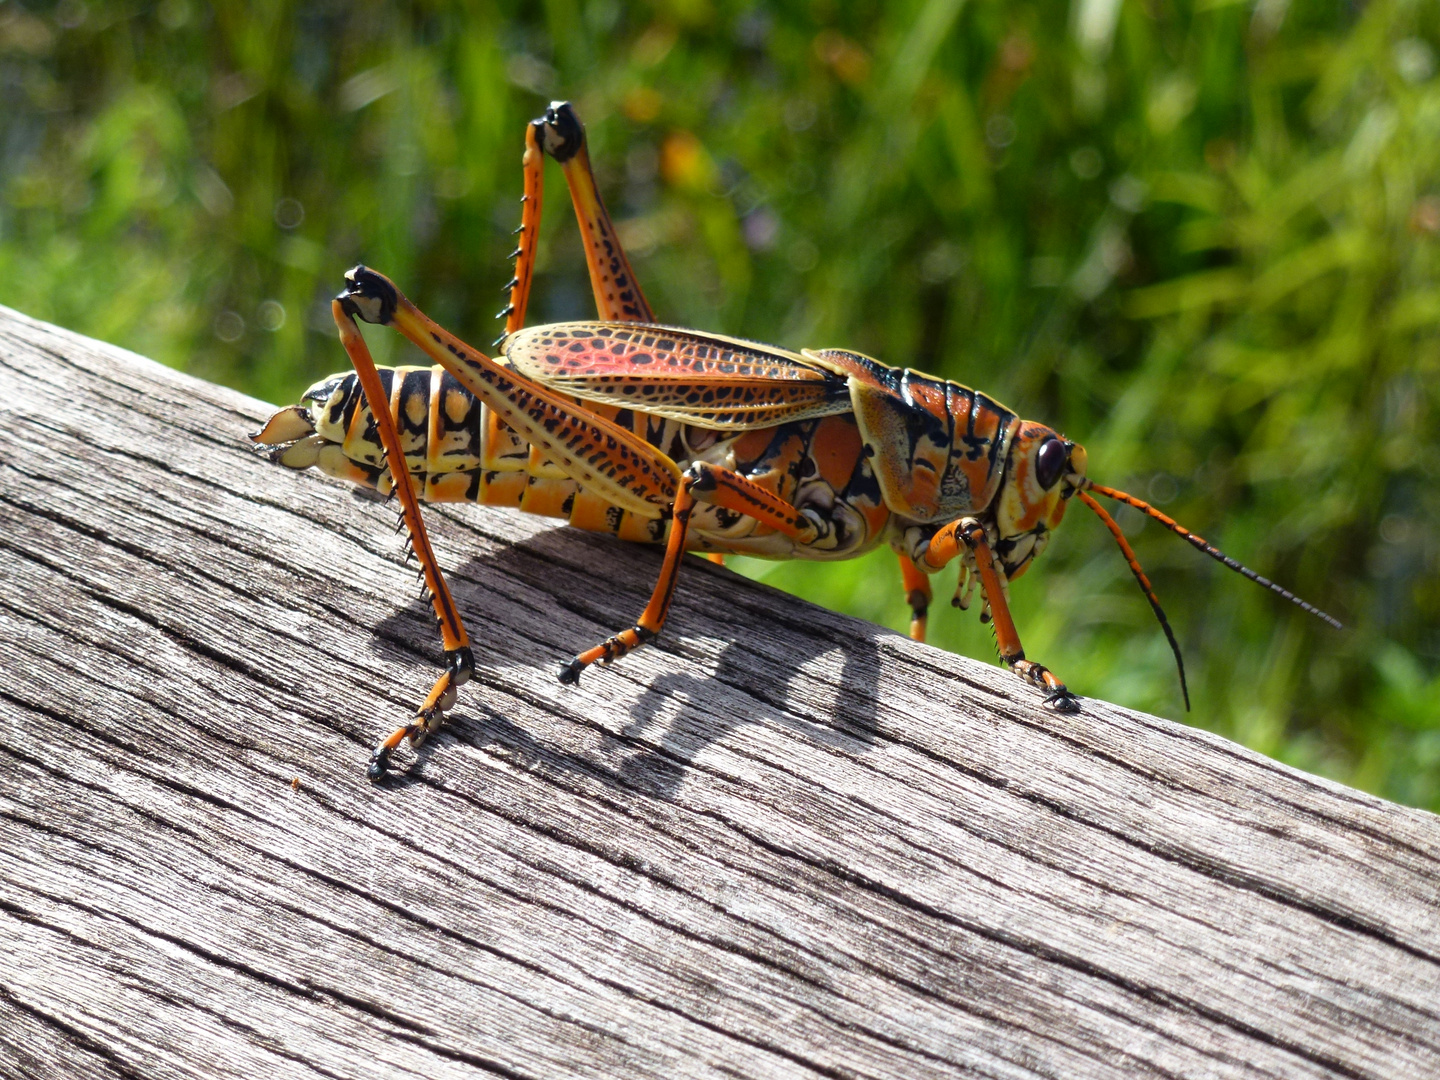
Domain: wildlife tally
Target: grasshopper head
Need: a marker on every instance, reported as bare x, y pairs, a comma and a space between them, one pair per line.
1043, 471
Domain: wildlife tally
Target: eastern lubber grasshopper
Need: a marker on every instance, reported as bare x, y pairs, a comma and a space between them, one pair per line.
701, 442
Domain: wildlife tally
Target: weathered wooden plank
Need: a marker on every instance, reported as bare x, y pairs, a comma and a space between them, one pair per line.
780, 843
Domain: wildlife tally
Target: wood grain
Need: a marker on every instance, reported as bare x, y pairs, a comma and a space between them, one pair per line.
780, 843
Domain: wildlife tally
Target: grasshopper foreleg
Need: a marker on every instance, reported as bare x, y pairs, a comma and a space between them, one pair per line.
944, 547
917, 593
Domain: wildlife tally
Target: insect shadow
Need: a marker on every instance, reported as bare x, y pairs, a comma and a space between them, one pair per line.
681, 712
762, 675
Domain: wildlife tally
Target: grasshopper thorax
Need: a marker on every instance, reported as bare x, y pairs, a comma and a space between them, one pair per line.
938, 449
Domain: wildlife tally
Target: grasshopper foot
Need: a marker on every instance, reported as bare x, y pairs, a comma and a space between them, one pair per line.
1057, 696
608, 651
430, 717
425, 722
379, 763
1061, 700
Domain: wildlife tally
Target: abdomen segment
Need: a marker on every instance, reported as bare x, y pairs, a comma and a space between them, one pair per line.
456, 448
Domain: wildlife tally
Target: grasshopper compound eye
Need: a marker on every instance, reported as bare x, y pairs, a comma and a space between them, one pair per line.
1050, 462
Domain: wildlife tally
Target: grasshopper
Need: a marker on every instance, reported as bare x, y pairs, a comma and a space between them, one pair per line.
693, 440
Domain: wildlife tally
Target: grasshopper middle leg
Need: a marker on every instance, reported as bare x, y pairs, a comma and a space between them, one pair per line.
701, 482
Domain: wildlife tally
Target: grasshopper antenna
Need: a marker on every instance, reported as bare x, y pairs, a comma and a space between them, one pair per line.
1145, 585
1214, 552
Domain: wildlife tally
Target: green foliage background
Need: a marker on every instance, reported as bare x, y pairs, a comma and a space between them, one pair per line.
1201, 238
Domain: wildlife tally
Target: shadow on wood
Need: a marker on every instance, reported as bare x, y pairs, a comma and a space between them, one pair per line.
780, 843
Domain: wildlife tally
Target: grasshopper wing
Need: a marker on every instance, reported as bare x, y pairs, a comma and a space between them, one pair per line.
686, 375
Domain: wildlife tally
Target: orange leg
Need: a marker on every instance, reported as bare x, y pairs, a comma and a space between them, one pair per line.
917, 592
459, 662
722, 487
943, 548
609, 460
702, 482
652, 619
518, 287
617, 294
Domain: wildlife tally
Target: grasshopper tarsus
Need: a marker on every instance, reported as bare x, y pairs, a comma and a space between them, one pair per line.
1061, 700
379, 765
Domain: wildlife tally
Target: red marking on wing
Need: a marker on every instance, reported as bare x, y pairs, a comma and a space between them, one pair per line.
703, 379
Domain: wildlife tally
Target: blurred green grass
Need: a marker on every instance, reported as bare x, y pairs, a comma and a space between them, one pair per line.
1201, 238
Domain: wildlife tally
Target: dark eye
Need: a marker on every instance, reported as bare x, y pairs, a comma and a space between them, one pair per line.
1050, 462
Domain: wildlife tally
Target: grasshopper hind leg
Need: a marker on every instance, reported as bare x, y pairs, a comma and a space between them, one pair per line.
377, 305
459, 666
618, 296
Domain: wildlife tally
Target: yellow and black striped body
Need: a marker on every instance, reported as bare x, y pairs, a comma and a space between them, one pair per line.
869, 453
458, 450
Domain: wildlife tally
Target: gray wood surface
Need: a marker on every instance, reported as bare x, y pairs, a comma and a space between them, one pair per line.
781, 843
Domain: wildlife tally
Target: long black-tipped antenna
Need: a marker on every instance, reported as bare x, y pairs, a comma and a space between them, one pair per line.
1214, 552
1145, 587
